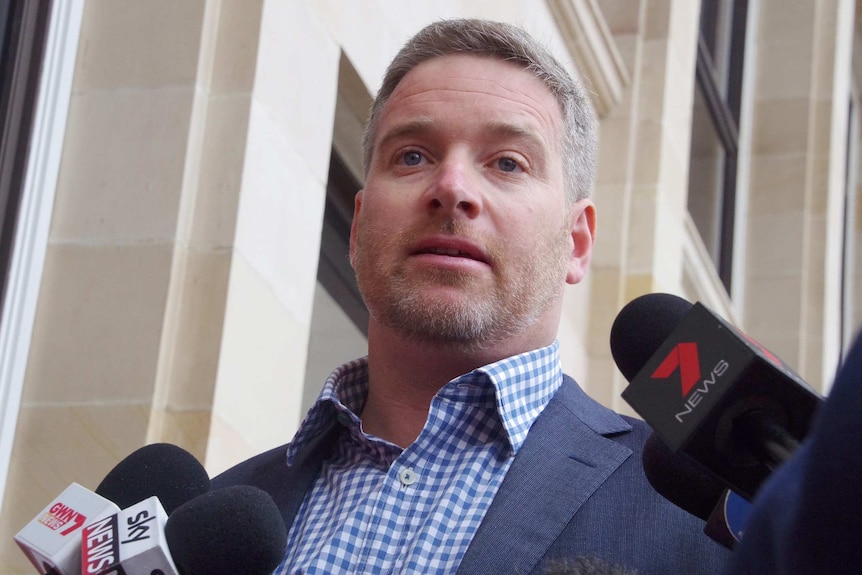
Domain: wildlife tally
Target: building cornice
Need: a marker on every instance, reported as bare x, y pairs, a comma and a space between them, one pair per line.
593, 50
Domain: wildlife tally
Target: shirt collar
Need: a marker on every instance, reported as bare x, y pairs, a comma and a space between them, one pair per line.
342, 397
523, 385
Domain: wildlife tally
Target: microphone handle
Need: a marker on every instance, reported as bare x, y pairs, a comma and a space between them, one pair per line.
764, 438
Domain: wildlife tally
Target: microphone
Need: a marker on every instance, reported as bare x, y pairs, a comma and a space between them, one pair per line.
727, 522
231, 530
805, 518
680, 479
130, 542
691, 487
149, 484
163, 470
236, 529
52, 540
710, 391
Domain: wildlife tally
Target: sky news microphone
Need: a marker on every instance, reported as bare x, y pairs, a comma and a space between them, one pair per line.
130, 542
235, 530
52, 540
710, 391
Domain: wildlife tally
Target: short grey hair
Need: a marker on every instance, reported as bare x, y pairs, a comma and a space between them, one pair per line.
511, 44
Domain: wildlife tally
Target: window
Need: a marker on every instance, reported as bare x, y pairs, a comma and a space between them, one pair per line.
22, 42
334, 271
715, 128
339, 319
36, 60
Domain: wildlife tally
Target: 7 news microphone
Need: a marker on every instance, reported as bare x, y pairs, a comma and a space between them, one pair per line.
690, 486
170, 523
712, 394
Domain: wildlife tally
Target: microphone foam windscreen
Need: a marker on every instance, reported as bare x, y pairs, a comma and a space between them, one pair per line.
641, 327
167, 471
680, 479
230, 530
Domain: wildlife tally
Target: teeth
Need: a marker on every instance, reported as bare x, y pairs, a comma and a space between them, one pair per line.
448, 251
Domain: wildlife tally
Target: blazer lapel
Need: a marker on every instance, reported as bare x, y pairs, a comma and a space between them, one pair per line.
563, 461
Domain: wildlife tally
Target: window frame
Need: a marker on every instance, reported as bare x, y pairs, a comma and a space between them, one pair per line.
724, 113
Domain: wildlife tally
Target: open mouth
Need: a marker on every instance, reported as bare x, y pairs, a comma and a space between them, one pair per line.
450, 248
453, 252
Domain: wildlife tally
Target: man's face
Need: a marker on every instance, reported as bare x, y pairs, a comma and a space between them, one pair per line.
462, 234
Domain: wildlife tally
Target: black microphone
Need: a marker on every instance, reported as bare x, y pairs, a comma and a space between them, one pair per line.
162, 470
693, 488
148, 485
680, 479
232, 530
710, 391
226, 531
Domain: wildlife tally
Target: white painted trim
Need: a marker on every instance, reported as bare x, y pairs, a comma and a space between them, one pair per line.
37, 202
743, 166
842, 92
594, 50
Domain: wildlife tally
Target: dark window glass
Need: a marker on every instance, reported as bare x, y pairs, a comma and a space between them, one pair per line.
23, 27
334, 271
715, 132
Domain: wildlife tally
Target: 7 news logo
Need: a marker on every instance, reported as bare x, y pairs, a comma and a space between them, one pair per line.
685, 358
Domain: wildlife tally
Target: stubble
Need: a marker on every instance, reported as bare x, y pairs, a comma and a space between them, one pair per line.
524, 286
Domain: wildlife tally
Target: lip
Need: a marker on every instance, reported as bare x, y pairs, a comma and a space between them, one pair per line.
449, 247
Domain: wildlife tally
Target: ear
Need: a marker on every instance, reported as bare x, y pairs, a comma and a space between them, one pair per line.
357, 205
583, 229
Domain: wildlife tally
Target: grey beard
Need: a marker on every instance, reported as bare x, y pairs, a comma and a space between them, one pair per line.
470, 325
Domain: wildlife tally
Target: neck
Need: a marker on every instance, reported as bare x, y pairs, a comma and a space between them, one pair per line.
404, 375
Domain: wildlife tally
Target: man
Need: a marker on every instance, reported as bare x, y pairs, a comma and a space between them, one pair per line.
458, 445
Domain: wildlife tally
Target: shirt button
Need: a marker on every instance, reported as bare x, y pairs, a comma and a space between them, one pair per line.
407, 476
344, 419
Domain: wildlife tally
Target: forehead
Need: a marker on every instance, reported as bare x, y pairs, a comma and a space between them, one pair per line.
469, 89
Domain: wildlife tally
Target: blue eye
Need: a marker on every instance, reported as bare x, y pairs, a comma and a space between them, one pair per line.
507, 164
412, 158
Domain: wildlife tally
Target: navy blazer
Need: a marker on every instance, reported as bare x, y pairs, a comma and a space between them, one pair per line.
576, 488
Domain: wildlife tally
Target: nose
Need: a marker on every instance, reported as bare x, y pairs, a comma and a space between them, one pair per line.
454, 189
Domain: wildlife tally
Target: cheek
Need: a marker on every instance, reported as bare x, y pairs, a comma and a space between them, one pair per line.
382, 210
530, 233
377, 236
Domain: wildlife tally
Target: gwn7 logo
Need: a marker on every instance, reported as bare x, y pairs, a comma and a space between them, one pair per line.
685, 358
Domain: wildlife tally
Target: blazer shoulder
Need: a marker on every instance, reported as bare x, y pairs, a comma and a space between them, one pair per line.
286, 484
600, 419
254, 469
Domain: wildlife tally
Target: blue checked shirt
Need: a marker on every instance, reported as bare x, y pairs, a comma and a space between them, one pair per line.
375, 508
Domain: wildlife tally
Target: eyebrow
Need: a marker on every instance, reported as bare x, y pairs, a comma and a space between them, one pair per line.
411, 128
496, 130
507, 131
